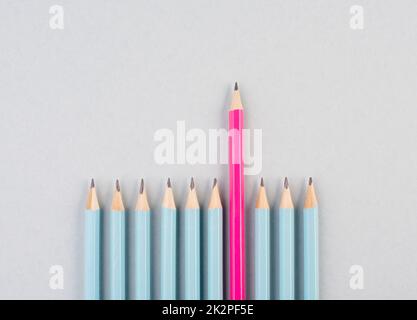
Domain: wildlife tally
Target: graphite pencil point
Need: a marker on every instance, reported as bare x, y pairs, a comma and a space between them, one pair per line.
142, 186
214, 182
286, 183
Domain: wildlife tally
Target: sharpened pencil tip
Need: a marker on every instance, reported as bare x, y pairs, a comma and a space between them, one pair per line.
214, 182
117, 185
262, 181
286, 183
310, 181
236, 86
192, 183
92, 184
169, 183
142, 186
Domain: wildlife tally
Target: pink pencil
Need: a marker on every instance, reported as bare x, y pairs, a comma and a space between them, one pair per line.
236, 195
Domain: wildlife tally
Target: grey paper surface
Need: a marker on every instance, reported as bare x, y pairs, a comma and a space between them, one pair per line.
85, 101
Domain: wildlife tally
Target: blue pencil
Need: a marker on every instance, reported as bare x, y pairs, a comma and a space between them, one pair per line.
286, 268
192, 257
92, 246
214, 232
117, 247
142, 256
310, 245
168, 252
262, 246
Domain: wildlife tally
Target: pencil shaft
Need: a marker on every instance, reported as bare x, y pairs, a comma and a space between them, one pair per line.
142, 257
311, 254
92, 255
237, 226
168, 254
192, 254
262, 254
214, 275
117, 256
286, 267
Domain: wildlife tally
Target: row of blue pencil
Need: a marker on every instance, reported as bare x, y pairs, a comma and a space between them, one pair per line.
213, 277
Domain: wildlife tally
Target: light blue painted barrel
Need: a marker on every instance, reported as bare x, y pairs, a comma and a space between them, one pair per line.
214, 275
168, 254
286, 249
262, 254
92, 262
311, 254
142, 255
192, 242
117, 256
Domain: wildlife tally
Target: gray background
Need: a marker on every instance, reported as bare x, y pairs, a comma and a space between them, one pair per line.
332, 102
